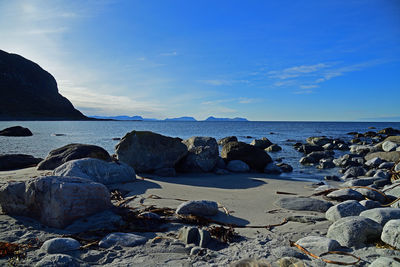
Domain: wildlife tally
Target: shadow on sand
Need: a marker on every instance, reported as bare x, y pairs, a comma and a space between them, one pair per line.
230, 181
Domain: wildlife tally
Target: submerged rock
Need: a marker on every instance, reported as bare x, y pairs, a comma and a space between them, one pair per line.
54, 201
69, 152
96, 170
147, 151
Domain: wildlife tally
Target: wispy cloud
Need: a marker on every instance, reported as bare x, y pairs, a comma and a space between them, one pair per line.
311, 76
245, 100
169, 54
219, 82
303, 92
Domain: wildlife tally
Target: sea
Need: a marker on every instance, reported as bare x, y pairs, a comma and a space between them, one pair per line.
48, 135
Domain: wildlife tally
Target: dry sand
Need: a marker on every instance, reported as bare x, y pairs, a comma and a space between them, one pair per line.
249, 198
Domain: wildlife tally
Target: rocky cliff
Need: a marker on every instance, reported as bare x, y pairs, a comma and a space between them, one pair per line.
28, 92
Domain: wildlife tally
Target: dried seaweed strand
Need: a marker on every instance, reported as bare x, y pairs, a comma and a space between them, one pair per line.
395, 174
285, 193
305, 251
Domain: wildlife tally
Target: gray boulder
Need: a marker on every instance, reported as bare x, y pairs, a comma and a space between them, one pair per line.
54, 201
344, 209
96, 170
122, 239
226, 140
198, 207
354, 231
60, 245
69, 152
391, 233
326, 164
388, 146
237, 166
371, 194
202, 156
318, 140
261, 143
386, 165
373, 163
392, 156
59, 260
303, 203
281, 252
382, 174
16, 131
384, 261
318, 244
17, 161
147, 151
370, 204
354, 172
382, 215
345, 194
253, 156
360, 181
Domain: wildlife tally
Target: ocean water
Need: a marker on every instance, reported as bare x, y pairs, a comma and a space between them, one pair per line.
101, 133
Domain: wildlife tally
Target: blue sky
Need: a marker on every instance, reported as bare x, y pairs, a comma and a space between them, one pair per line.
263, 60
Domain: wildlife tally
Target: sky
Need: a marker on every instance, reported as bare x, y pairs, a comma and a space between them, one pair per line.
258, 59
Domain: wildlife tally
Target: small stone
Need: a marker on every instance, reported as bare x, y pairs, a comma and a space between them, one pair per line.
59, 260
345, 194
373, 163
285, 167
196, 251
122, 239
370, 204
303, 203
198, 207
60, 245
273, 148
386, 165
281, 252
388, 146
318, 244
237, 166
189, 235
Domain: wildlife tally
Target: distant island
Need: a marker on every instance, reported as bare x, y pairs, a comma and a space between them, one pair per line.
185, 118
28, 92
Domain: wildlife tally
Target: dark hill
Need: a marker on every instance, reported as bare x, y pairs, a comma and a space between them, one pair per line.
28, 92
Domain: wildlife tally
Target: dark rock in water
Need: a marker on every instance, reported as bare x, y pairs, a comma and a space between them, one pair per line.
228, 139
271, 168
332, 178
261, 143
27, 92
116, 138
285, 167
17, 161
15, 131
253, 156
202, 155
54, 201
273, 148
303, 203
69, 152
389, 131
318, 140
147, 151
326, 164
307, 149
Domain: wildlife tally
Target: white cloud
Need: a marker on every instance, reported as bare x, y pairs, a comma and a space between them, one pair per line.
308, 86
169, 54
245, 100
296, 71
303, 92
219, 82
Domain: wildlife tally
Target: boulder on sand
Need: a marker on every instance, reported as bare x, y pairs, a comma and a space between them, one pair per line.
17, 161
202, 156
253, 156
69, 152
354, 231
303, 203
392, 156
147, 151
54, 201
97, 170
16, 131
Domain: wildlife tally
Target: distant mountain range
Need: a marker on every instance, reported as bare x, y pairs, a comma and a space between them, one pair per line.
185, 118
